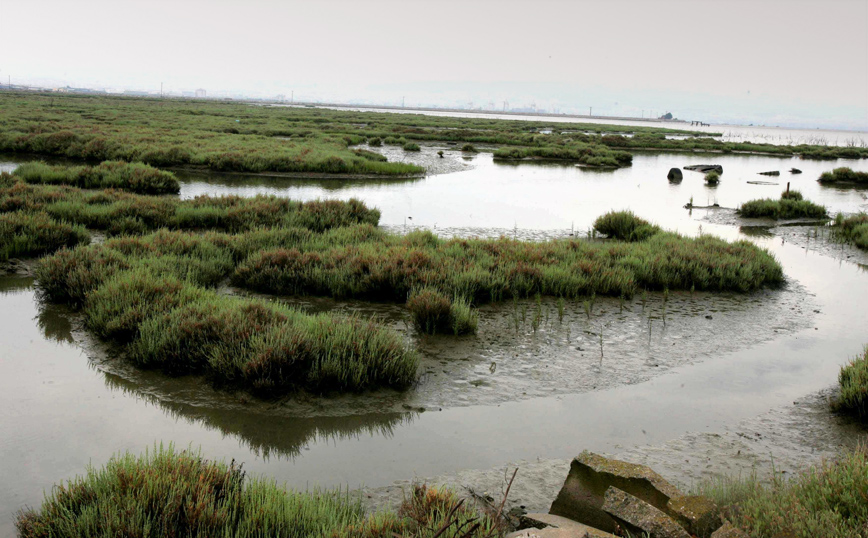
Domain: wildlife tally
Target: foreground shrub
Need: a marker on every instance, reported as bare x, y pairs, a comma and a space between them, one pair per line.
167, 492
827, 500
172, 493
625, 226
788, 207
853, 229
133, 177
33, 234
853, 384
843, 175
433, 313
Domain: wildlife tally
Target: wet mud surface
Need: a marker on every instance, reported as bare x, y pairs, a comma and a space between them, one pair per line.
786, 439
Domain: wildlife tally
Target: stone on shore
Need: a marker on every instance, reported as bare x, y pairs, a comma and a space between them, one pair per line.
639, 517
591, 475
728, 530
699, 515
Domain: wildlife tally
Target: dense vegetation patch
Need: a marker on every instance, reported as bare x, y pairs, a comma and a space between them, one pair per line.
133, 177
152, 294
588, 154
853, 229
120, 213
625, 226
387, 267
433, 312
791, 205
853, 385
844, 175
712, 177
170, 493
827, 500
27, 234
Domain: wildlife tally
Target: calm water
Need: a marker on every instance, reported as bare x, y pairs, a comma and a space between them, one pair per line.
65, 402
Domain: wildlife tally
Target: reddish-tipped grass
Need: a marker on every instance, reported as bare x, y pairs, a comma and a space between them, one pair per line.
433, 313
625, 225
27, 234
789, 206
853, 387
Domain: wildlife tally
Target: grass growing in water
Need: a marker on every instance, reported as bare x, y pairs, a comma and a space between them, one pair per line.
853, 229
120, 213
790, 206
167, 492
412, 146
433, 312
713, 177
133, 177
389, 267
625, 226
844, 175
853, 384
32, 234
150, 293
827, 500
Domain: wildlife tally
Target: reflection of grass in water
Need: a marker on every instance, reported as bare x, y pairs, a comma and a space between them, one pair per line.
266, 434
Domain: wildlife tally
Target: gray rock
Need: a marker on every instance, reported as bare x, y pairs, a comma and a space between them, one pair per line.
728, 530
582, 495
638, 517
795, 171
705, 168
699, 515
675, 174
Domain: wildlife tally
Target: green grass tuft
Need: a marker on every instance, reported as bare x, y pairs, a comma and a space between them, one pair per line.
133, 177
625, 226
844, 175
828, 500
790, 206
853, 384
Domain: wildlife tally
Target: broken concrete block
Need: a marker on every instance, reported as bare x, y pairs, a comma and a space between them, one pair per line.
581, 497
639, 517
699, 515
728, 530
551, 521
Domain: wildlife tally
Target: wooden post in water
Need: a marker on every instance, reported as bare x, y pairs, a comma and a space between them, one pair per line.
788, 187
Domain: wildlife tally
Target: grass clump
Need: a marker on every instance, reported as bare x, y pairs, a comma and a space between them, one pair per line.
34, 234
844, 175
433, 312
588, 154
389, 267
412, 146
790, 206
853, 383
167, 492
469, 148
826, 500
133, 177
152, 294
712, 177
122, 213
792, 195
853, 229
625, 226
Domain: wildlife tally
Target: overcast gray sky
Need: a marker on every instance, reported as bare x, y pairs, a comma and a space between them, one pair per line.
785, 62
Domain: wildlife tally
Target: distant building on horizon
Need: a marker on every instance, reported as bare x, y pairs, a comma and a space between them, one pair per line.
200, 93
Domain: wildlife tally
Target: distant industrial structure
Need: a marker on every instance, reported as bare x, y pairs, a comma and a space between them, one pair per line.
201, 93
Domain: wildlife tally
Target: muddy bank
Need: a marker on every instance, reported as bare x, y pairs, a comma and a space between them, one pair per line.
786, 439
